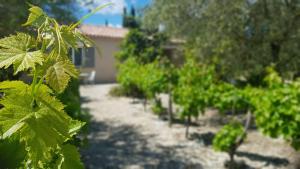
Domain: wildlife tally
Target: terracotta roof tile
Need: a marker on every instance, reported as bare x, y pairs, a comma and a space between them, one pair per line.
103, 31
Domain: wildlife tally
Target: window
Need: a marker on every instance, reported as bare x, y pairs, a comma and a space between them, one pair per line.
89, 59
83, 57
78, 57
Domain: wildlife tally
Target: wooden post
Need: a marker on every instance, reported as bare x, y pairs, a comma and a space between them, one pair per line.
170, 109
188, 121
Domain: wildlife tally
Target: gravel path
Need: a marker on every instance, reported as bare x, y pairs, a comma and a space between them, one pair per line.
124, 136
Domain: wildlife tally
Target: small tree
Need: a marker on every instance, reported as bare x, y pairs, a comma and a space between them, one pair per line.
228, 139
145, 46
192, 92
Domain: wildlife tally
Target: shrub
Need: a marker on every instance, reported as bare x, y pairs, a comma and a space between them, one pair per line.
128, 74
229, 138
192, 91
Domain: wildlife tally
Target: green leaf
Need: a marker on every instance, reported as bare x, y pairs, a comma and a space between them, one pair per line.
41, 122
227, 137
58, 75
70, 158
21, 41
15, 51
36, 17
68, 36
75, 127
84, 39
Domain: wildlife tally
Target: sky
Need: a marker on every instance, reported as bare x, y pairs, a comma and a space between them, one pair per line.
113, 13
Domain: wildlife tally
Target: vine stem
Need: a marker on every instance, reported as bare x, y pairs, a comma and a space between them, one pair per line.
39, 84
34, 82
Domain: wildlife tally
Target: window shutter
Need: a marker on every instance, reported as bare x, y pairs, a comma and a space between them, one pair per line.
89, 60
78, 57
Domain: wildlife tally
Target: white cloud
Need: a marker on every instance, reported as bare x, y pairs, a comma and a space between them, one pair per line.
116, 7
133, 2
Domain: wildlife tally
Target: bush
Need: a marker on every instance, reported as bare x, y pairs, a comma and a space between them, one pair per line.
229, 138
127, 77
193, 91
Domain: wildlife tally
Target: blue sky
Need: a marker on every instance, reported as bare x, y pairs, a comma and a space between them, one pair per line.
112, 14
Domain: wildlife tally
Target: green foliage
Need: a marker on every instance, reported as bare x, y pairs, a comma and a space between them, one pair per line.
130, 20
15, 12
69, 157
227, 138
227, 97
192, 92
150, 78
276, 108
127, 77
16, 50
71, 99
58, 75
243, 37
140, 69
12, 152
145, 46
39, 120
32, 121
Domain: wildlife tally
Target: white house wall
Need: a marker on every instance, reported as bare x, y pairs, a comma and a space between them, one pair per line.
105, 63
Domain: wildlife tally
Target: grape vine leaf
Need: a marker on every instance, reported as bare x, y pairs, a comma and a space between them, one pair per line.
36, 17
42, 127
15, 51
69, 158
58, 75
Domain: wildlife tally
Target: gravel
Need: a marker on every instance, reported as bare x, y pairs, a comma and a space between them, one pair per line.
125, 136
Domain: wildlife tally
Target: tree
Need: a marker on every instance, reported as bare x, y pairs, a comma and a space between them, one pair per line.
241, 36
130, 21
14, 13
132, 11
145, 46
192, 91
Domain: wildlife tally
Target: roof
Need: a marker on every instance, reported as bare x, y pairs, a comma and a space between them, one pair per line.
103, 31
112, 32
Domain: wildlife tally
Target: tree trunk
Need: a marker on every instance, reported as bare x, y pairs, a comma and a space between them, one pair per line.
170, 109
231, 157
275, 49
188, 121
231, 164
145, 104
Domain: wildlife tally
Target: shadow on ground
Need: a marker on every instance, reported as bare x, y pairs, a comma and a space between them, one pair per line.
205, 139
118, 147
269, 160
85, 100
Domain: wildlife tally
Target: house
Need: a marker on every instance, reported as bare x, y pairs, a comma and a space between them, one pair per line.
100, 58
